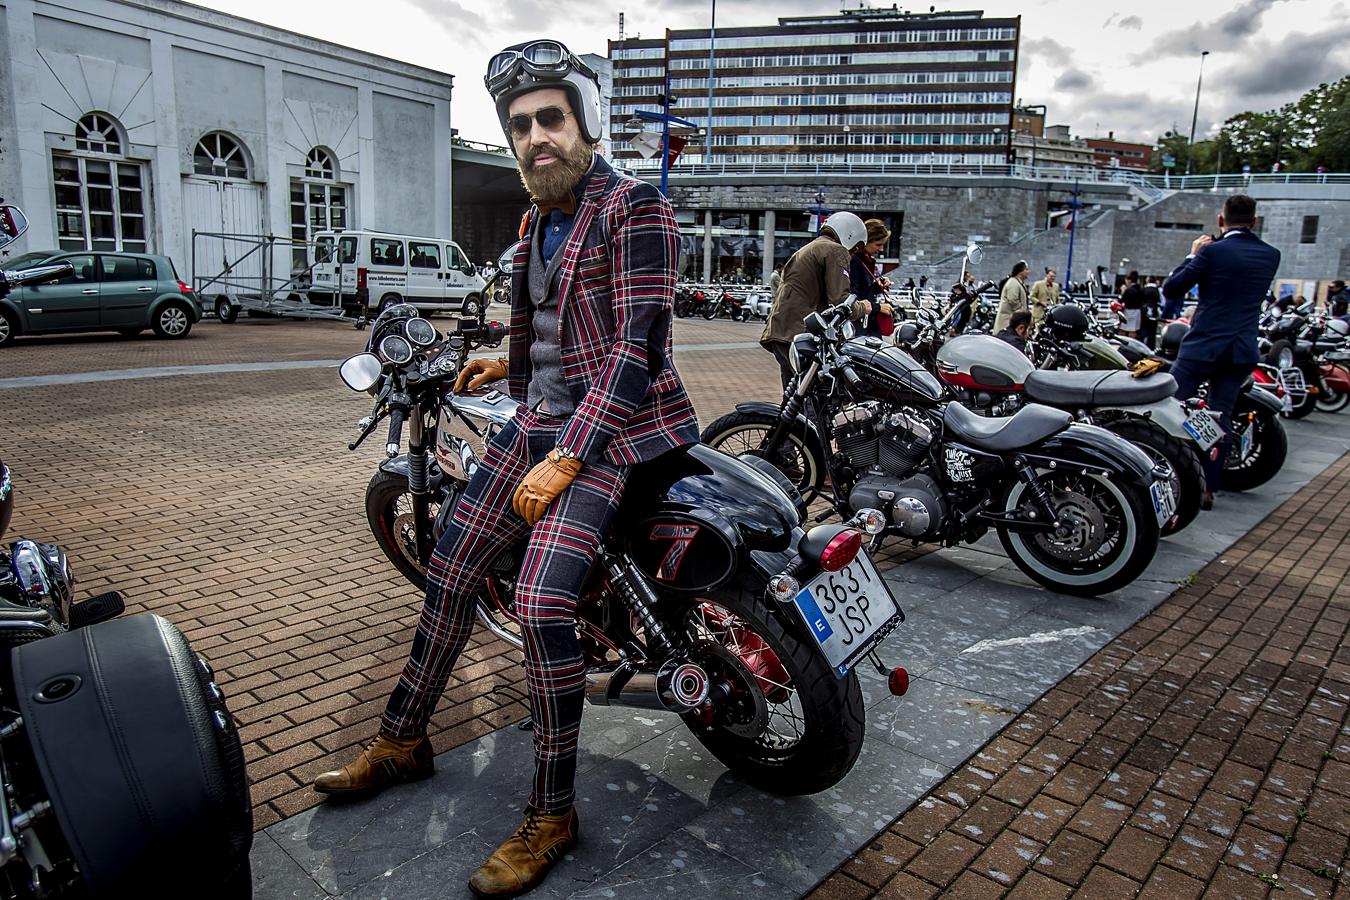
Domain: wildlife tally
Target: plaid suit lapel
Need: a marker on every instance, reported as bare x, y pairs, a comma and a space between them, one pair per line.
586, 212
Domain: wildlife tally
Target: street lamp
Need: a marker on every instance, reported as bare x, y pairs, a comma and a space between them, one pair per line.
712, 42
1195, 114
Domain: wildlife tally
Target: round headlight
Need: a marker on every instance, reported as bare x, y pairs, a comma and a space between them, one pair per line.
794, 359
420, 332
396, 349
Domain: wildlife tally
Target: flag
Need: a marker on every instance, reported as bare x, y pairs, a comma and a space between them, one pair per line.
676, 145
647, 143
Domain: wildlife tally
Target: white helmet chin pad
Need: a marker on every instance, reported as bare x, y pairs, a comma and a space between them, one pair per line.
848, 228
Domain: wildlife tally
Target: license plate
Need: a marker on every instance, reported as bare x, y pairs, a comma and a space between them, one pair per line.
1201, 426
1245, 442
1164, 503
848, 612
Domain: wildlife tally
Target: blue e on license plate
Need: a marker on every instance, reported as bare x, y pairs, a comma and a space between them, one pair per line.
848, 612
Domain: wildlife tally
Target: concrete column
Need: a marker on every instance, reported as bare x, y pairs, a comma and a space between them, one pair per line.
770, 231
365, 144
443, 169
277, 196
28, 154
167, 171
707, 246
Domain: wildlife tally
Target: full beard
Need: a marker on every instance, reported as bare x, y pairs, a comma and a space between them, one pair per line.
553, 182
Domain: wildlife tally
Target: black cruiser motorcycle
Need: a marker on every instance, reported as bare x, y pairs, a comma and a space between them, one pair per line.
1077, 508
122, 770
708, 599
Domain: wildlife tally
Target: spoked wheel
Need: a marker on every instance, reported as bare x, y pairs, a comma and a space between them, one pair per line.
389, 510
1106, 536
739, 433
778, 716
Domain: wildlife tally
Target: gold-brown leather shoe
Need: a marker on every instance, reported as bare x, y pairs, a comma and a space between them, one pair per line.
385, 761
523, 860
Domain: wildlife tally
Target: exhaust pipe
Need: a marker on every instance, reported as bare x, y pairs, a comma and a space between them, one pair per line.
675, 686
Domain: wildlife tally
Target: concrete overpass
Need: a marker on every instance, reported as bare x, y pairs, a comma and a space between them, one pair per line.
487, 198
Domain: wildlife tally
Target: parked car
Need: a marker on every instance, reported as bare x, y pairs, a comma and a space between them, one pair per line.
372, 270
124, 292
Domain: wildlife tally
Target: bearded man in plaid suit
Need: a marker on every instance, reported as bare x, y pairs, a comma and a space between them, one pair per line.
592, 288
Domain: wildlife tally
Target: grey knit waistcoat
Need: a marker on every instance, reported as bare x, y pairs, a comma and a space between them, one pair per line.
546, 380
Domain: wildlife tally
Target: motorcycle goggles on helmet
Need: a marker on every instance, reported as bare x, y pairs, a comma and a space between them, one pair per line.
544, 59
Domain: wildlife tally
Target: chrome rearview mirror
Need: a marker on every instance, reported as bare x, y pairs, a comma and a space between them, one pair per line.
13, 223
361, 372
973, 253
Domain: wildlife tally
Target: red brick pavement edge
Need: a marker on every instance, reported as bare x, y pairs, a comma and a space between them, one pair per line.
1203, 753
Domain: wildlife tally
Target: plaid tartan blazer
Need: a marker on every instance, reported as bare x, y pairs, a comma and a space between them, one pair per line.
616, 289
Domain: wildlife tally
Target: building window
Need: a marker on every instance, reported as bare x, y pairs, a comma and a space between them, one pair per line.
220, 155
1309, 235
319, 164
98, 133
314, 208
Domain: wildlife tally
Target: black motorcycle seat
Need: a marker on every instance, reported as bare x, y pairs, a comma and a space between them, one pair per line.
1000, 434
1088, 389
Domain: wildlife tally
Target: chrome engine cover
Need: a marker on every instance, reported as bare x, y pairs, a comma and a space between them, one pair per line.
915, 505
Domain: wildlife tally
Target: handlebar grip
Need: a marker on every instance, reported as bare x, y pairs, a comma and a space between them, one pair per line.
854, 381
397, 414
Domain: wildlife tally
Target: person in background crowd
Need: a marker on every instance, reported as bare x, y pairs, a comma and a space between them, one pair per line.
1044, 294
815, 278
1013, 295
1148, 320
868, 286
775, 278
1016, 332
963, 288
1338, 299
1233, 274
923, 282
1132, 298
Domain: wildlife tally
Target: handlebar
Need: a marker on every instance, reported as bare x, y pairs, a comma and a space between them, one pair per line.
13, 278
400, 404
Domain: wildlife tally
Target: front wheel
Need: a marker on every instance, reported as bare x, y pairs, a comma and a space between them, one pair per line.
799, 458
1107, 534
1330, 400
711, 310
1183, 458
1256, 450
784, 721
389, 510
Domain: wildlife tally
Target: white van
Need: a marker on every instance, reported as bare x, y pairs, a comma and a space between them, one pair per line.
376, 269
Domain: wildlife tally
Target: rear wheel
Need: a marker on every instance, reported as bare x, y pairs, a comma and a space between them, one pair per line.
1107, 536
782, 720
1265, 453
473, 306
799, 459
389, 300
173, 321
226, 311
1188, 470
1330, 400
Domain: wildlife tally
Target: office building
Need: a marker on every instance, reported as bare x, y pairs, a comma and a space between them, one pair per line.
1109, 153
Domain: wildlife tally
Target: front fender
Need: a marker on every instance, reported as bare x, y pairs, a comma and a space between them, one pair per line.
772, 410
1088, 447
400, 465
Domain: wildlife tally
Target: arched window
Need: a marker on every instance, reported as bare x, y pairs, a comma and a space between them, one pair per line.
97, 132
220, 155
319, 164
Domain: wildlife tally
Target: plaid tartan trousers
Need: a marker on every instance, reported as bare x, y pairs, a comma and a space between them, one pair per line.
561, 549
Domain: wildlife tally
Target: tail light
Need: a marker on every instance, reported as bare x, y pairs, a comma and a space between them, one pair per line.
361, 278
841, 550
183, 287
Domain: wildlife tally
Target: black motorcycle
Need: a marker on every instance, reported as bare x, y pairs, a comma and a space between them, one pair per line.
122, 768
1076, 507
708, 598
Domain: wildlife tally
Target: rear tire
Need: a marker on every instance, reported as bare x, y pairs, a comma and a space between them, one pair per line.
1270, 446
801, 459
226, 311
173, 321
1136, 533
473, 307
813, 735
389, 300
1188, 470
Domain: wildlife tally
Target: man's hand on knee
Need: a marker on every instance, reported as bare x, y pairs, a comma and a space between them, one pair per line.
542, 485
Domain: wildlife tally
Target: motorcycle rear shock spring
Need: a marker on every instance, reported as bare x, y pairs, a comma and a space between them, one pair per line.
639, 597
1038, 491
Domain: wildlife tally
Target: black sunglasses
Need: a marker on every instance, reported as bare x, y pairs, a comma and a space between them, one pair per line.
550, 117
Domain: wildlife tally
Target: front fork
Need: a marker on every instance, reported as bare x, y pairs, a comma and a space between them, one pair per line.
791, 408
418, 484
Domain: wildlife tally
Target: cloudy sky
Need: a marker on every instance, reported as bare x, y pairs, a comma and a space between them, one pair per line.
1128, 67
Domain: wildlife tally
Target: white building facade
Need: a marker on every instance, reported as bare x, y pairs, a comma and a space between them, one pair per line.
131, 124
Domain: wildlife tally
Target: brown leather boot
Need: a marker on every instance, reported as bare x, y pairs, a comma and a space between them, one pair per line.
523, 860
385, 761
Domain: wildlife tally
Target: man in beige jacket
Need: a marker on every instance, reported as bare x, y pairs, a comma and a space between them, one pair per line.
1044, 294
816, 277
1013, 298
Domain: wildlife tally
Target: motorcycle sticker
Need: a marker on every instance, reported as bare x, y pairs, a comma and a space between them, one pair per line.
958, 464
681, 536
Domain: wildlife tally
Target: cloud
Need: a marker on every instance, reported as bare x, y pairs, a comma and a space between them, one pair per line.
1073, 79
1288, 67
453, 17
1222, 34
1130, 23
1044, 46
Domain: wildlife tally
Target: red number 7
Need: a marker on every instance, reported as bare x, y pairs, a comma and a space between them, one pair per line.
681, 537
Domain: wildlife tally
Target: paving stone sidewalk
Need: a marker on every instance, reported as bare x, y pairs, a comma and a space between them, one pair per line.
1203, 753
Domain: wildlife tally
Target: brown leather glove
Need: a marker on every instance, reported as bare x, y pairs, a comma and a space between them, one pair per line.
481, 371
542, 485
1145, 367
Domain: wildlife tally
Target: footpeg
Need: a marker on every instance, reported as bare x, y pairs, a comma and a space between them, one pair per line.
97, 609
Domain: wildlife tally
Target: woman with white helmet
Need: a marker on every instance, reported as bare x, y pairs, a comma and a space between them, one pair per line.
815, 278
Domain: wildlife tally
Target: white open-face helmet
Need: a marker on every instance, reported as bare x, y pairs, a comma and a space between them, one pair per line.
848, 228
526, 67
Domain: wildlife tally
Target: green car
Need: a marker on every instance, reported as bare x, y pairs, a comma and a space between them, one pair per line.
125, 292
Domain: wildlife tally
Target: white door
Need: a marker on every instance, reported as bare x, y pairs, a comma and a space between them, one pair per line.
426, 278
227, 217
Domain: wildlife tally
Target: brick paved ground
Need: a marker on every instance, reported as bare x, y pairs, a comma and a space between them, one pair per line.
1204, 753
230, 505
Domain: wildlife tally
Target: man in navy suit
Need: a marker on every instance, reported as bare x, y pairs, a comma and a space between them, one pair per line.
1233, 273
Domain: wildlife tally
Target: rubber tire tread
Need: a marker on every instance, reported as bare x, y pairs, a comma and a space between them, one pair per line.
832, 707
381, 493
161, 333
1274, 449
1184, 458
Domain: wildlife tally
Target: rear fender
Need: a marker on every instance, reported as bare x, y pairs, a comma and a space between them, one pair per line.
1088, 448
1255, 398
1167, 414
1337, 377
